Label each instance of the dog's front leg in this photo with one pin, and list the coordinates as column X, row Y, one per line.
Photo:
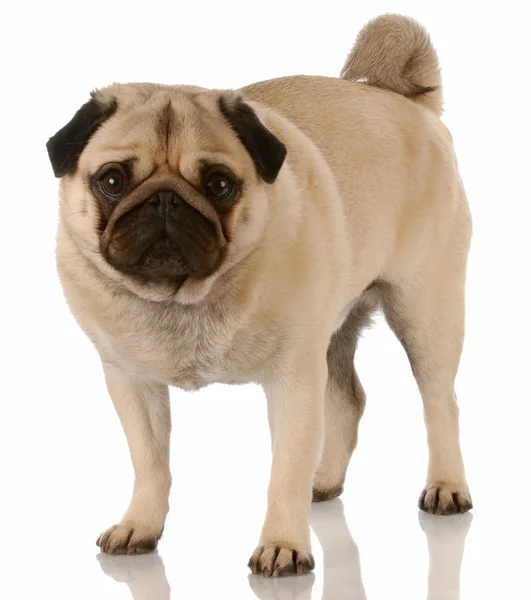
column 295, row 395
column 144, row 412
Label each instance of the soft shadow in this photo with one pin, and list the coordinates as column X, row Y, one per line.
column 144, row 575
column 341, row 568
column 446, row 538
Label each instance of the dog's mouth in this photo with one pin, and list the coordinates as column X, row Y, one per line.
column 163, row 259
column 163, row 237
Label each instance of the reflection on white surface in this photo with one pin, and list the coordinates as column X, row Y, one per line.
column 145, row 574
column 341, row 559
column 146, row 577
column 446, row 545
column 282, row 588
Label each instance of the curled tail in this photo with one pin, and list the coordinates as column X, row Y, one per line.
column 395, row 53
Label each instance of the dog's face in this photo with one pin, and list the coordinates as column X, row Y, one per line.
column 165, row 185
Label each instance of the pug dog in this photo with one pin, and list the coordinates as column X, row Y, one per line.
column 247, row 236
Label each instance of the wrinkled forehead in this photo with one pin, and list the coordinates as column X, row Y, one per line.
column 168, row 127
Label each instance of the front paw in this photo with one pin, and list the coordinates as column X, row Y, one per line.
column 128, row 538
column 276, row 560
column 444, row 498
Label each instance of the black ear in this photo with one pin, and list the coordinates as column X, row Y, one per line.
column 266, row 150
column 65, row 147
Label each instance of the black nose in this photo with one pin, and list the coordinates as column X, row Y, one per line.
column 164, row 201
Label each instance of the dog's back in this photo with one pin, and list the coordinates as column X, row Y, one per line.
column 378, row 128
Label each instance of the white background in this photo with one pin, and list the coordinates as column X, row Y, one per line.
column 64, row 462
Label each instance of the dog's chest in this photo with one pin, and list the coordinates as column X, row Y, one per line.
column 188, row 348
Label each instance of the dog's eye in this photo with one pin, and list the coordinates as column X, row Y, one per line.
column 113, row 182
column 218, row 186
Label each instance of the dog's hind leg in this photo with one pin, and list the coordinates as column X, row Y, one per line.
column 426, row 311
column 344, row 405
